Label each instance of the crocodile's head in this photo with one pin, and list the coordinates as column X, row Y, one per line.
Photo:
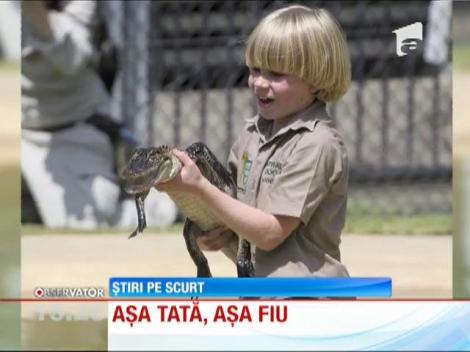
column 149, row 166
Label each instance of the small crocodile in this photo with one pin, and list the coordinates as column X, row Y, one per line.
column 150, row 166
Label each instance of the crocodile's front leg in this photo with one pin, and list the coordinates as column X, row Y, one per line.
column 244, row 264
column 195, row 252
column 140, row 205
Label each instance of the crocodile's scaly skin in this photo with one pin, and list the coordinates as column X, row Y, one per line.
column 150, row 166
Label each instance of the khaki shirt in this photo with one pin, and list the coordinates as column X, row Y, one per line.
column 300, row 171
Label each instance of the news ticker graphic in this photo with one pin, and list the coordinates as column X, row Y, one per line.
column 134, row 287
column 288, row 325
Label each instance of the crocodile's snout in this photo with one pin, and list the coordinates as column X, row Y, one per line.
column 149, row 166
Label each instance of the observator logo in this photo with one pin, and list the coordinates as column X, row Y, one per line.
column 69, row 292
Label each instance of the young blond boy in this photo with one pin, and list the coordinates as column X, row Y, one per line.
column 290, row 165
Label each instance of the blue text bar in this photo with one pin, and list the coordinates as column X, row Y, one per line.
column 148, row 287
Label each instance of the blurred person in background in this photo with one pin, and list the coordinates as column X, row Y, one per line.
column 68, row 135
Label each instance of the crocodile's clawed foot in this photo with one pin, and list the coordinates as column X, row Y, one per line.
column 245, row 268
column 134, row 233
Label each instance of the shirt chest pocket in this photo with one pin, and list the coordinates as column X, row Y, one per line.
column 271, row 170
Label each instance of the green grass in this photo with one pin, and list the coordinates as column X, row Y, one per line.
column 367, row 220
column 461, row 57
column 435, row 224
column 356, row 222
column 9, row 66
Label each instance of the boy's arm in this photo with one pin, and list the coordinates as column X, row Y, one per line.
column 262, row 229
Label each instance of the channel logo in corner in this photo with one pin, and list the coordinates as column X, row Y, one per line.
column 408, row 38
column 69, row 292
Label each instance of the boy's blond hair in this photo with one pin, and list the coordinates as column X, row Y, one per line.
column 305, row 42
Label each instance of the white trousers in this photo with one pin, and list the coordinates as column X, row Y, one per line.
column 70, row 176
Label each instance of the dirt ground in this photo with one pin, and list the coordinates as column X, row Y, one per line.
column 420, row 266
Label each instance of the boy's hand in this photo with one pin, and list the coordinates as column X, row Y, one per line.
column 215, row 239
column 189, row 179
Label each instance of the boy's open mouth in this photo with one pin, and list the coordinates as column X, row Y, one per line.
column 265, row 101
